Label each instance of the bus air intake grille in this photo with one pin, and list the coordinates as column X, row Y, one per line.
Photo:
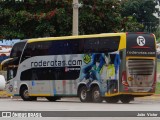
column 140, row 67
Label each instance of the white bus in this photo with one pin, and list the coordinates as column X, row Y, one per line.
column 111, row 67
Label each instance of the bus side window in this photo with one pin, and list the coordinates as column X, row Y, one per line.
column 56, row 48
column 103, row 45
column 91, row 45
column 34, row 75
column 81, row 46
column 72, row 47
column 88, row 46
column 26, row 75
column 58, row 74
column 109, row 44
column 41, row 49
column 65, row 47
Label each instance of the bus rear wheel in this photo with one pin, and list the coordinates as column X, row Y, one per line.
column 25, row 95
column 52, row 98
column 84, row 95
column 96, row 96
column 114, row 99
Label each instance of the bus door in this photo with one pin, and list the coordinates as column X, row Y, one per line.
column 11, row 85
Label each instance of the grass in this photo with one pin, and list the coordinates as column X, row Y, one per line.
column 158, row 39
column 158, row 67
column 158, row 83
column 158, row 88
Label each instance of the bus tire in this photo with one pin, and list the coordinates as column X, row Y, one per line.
column 84, row 95
column 114, row 99
column 52, row 98
column 25, row 94
column 33, row 98
column 96, row 95
column 126, row 99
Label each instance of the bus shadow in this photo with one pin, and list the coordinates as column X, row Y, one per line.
column 77, row 101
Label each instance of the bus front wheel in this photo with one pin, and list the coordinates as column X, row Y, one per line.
column 25, row 95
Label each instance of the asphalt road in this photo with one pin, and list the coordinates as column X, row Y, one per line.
column 151, row 103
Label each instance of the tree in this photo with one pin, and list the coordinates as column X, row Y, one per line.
column 99, row 16
column 44, row 18
column 157, row 34
column 142, row 11
column 130, row 24
column 35, row 18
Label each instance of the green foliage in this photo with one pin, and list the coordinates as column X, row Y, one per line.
column 158, row 88
column 158, row 78
column 158, row 39
column 131, row 25
column 142, row 11
column 157, row 34
column 158, row 67
column 100, row 16
column 35, row 18
column 41, row 18
column 63, row 22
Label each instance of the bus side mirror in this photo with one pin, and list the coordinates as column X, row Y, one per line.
column 2, row 82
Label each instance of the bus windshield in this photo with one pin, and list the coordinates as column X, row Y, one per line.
column 17, row 49
column 11, row 64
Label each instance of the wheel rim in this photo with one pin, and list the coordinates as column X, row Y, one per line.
column 96, row 94
column 26, row 94
column 83, row 94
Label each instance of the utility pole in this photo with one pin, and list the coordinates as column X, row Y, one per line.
column 75, row 17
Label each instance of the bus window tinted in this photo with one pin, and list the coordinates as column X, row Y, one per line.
column 108, row 44
column 97, row 45
column 66, row 47
column 17, row 49
column 51, row 73
column 91, row 45
column 60, row 47
column 78, row 46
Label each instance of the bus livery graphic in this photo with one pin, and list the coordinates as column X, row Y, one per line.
column 110, row 67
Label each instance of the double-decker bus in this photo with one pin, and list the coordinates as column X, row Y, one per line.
column 110, row 67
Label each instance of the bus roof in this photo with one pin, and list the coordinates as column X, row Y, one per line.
column 74, row 37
